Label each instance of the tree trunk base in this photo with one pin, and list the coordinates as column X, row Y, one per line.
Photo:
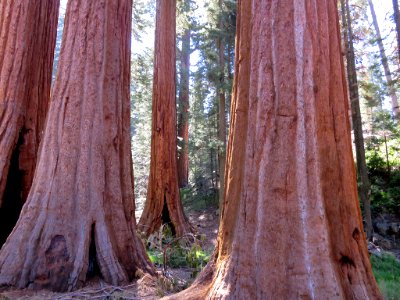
column 52, row 256
column 166, row 212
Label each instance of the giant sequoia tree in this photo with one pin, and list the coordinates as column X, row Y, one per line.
column 27, row 39
column 82, row 193
column 291, row 225
column 163, row 204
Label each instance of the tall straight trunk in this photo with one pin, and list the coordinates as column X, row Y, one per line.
column 385, row 64
column 82, row 194
column 221, row 109
column 291, row 225
column 163, row 204
column 396, row 15
column 27, row 40
column 365, row 186
column 183, row 122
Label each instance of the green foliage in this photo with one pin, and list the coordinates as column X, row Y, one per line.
column 199, row 201
column 143, row 17
column 383, row 162
column 385, row 186
column 165, row 250
column 141, row 93
column 387, row 273
column 156, row 257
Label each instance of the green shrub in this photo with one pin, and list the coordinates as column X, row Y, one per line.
column 165, row 250
column 385, row 187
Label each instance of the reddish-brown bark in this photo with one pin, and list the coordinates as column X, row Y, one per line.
column 291, row 224
column 163, row 204
column 82, row 194
column 27, row 39
column 183, row 120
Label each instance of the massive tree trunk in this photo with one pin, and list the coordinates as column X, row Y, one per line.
column 365, row 186
column 396, row 15
column 385, row 63
column 221, row 107
column 82, row 194
column 27, row 39
column 291, row 225
column 163, row 204
column 183, row 122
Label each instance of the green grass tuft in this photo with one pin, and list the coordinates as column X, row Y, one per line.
column 387, row 273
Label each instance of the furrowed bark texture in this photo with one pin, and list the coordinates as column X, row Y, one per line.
column 27, row 39
column 183, row 122
column 82, row 193
column 291, row 225
column 163, row 204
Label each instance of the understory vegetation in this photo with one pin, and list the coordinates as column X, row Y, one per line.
column 386, row 269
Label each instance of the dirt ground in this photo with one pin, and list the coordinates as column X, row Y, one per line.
column 206, row 223
column 147, row 288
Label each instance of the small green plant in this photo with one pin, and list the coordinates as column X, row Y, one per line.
column 165, row 250
column 156, row 257
column 387, row 273
column 197, row 258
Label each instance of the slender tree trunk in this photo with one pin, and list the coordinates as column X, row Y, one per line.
column 27, row 39
column 163, row 204
column 221, row 109
column 292, row 227
column 183, row 122
column 365, row 186
column 387, row 155
column 82, row 194
column 385, row 64
column 396, row 15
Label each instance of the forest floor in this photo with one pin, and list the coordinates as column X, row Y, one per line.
column 206, row 224
column 171, row 280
